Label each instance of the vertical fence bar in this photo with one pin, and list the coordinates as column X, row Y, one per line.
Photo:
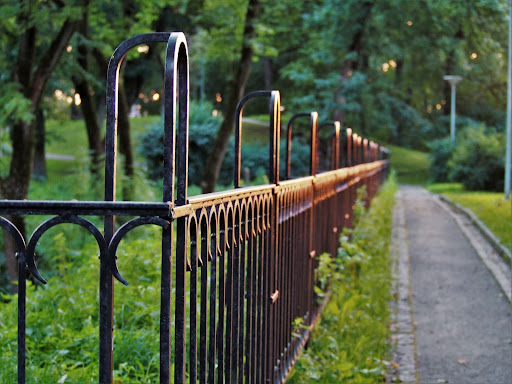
column 222, row 295
column 203, row 262
column 212, row 358
column 193, row 243
column 22, row 305
column 242, row 295
column 177, row 88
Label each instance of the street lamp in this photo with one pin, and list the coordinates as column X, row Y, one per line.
column 453, row 80
column 508, row 154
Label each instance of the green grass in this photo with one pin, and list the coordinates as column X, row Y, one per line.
column 411, row 166
column 351, row 344
column 489, row 207
column 70, row 137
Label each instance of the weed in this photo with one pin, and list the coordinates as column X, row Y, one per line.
column 351, row 343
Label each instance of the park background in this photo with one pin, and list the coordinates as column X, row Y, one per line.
column 376, row 66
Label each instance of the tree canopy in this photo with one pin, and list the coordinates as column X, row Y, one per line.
column 375, row 65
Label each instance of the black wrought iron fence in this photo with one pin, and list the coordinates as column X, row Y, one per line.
column 244, row 259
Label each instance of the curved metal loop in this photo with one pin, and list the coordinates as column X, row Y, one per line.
column 274, row 131
column 14, row 232
column 121, row 232
column 50, row 223
column 336, row 145
column 176, row 89
column 289, row 130
column 113, row 70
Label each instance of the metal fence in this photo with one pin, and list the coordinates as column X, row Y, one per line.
column 244, row 259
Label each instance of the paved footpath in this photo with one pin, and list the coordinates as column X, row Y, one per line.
column 453, row 319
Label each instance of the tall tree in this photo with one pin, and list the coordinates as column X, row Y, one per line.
column 235, row 91
column 39, row 46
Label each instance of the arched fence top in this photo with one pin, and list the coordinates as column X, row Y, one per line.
column 274, row 133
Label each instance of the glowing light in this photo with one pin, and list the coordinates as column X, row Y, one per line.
column 473, row 55
column 443, row 102
column 385, row 67
column 143, row 49
column 69, row 48
column 392, row 63
column 78, row 100
column 215, row 113
column 409, row 23
column 500, row 55
column 349, row 73
column 59, row 94
column 218, row 97
column 141, row 96
column 438, row 107
column 156, row 96
column 69, row 99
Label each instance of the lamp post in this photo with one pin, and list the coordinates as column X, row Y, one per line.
column 508, row 154
column 453, row 80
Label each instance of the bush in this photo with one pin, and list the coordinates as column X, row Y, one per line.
column 478, row 160
column 440, row 153
column 203, row 129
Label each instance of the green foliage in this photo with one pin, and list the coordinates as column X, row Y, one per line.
column 378, row 66
column 351, row 343
column 440, row 152
column 62, row 316
column 477, row 161
column 202, row 131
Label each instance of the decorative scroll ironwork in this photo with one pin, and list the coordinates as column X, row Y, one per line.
column 249, row 253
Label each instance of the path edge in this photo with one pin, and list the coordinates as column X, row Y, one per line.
column 404, row 351
column 482, row 228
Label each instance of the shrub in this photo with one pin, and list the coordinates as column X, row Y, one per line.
column 203, row 129
column 478, row 160
column 440, row 153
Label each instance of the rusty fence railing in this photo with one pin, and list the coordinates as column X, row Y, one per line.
column 244, row 259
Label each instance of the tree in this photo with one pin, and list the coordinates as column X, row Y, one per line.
column 235, row 91
column 38, row 48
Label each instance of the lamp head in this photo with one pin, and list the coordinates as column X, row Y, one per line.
column 452, row 79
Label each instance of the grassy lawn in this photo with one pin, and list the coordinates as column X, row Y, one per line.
column 489, row 207
column 411, row 166
column 70, row 137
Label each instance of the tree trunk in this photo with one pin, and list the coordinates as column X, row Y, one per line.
column 39, row 167
column 125, row 146
column 15, row 186
column 269, row 74
column 351, row 65
column 88, row 104
column 123, row 131
column 236, row 91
